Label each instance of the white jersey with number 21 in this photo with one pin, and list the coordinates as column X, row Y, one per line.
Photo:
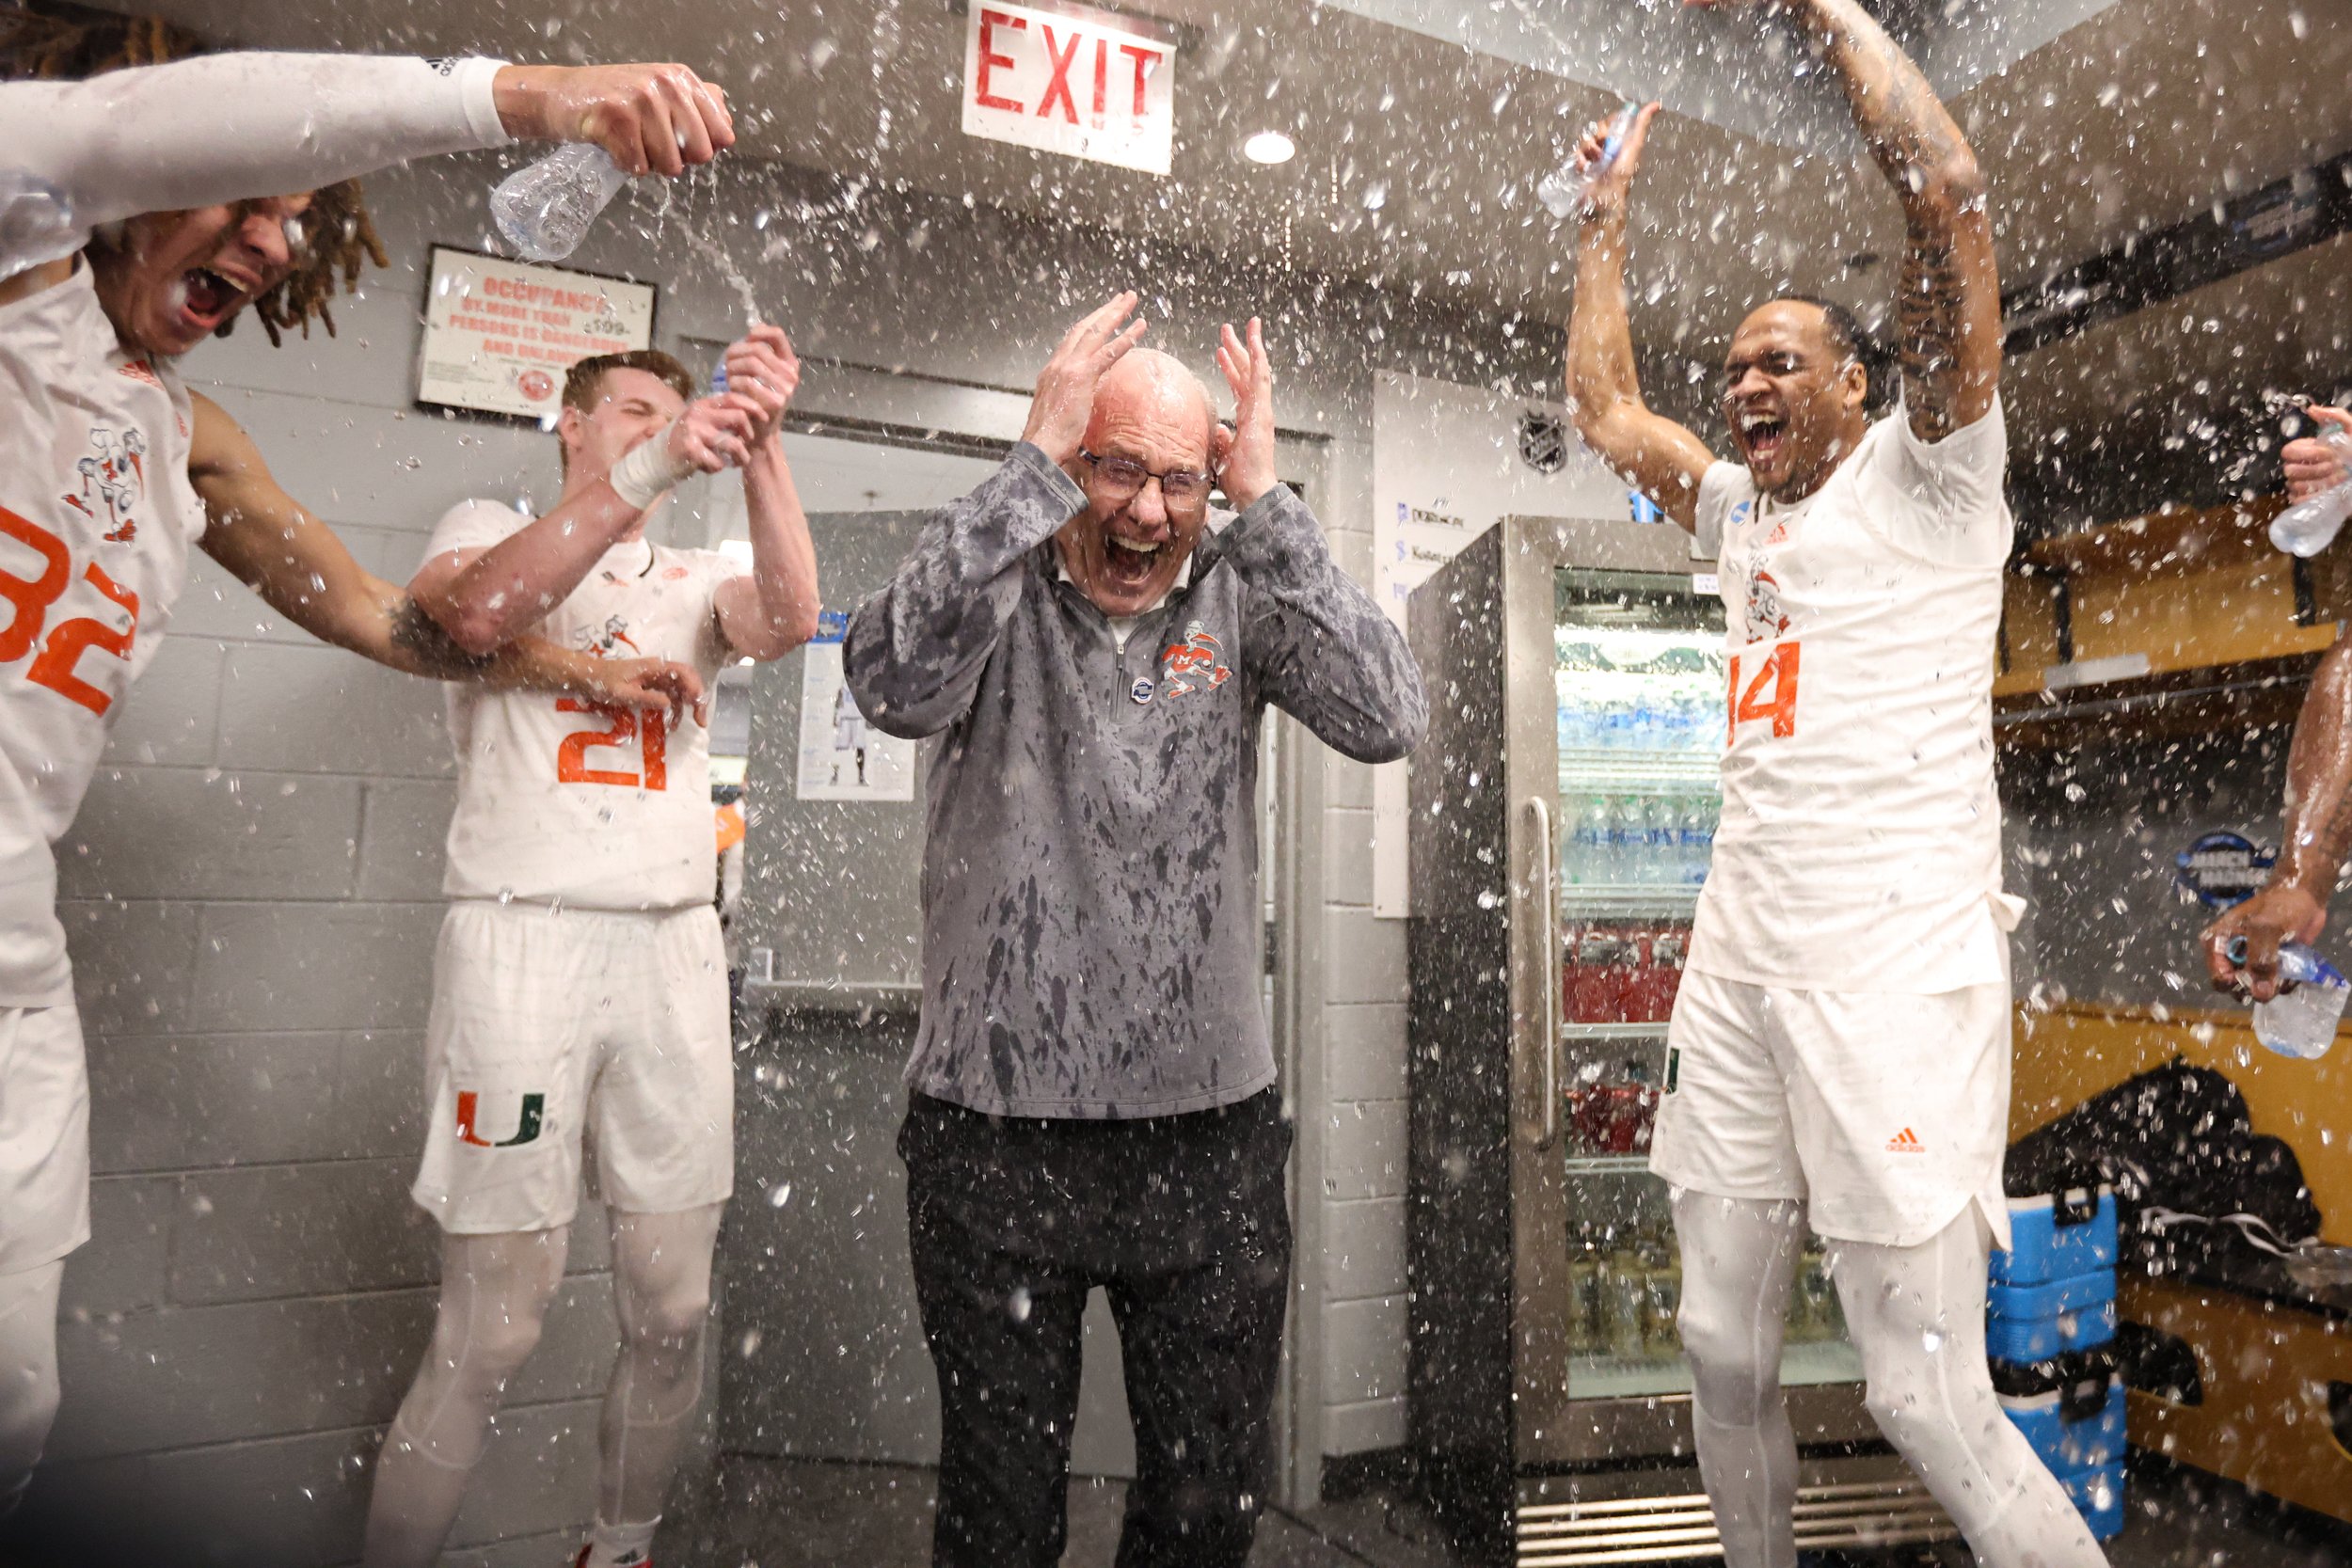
column 560, row 798
column 1860, row 848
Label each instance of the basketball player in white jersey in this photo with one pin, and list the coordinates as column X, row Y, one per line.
column 581, row 980
column 111, row 469
column 1842, row 1038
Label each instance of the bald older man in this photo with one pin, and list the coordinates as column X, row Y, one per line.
column 1092, row 1096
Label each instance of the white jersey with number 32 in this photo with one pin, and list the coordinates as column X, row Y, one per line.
column 96, row 518
column 561, row 798
column 1860, row 848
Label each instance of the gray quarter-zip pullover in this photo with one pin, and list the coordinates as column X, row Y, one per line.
column 1092, row 944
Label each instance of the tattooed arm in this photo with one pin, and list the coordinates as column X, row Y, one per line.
column 2293, row 905
column 1950, row 302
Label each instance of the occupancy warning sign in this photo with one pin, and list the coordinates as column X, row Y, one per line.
column 1071, row 81
column 499, row 335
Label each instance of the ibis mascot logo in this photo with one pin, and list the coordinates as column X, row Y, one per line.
column 1196, row 664
column 528, row 1123
column 114, row 482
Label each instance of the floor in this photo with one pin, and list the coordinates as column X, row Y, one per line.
column 787, row 1513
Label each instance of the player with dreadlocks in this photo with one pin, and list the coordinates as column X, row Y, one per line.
column 140, row 211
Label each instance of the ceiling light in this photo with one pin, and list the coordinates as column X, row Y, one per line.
column 1269, row 147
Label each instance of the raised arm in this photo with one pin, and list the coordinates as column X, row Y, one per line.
column 773, row 610
column 916, row 651
column 1656, row 456
column 1316, row 641
column 484, row 598
column 298, row 566
column 2293, row 905
column 228, row 127
column 1949, row 304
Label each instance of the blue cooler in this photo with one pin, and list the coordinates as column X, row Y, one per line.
column 2070, row 1408
column 2057, row 1235
column 2098, row 1493
column 2034, row 1323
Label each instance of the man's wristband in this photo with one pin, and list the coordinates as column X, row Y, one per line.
column 646, row 472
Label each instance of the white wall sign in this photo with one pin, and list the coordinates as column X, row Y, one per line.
column 1448, row 462
column 842, row 756
column 1070, row 82
column 499, row 335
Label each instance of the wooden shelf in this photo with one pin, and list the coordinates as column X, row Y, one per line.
column 2180, row 609
column 2176, row 539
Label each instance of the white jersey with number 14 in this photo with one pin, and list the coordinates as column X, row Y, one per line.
column 563, row 800
column 1860, row 848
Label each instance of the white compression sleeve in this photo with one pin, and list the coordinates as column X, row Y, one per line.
column 226, row 127
column 662, row 1287
column 1738, row 1256
column 495, row 1291
column 28, row 1373
column 1917, row 1314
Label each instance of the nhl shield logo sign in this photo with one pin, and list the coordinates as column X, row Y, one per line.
column 1543, row 441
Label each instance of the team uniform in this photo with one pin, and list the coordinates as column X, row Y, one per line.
column 96, row 515
column 1842, row 1029
column 579, row 983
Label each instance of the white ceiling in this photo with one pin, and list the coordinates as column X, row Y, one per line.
column 1417, row 155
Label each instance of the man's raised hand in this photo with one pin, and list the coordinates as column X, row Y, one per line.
column 2312, row 463
column 1607, row 196
column 714, row 432
column 652, row 118
column 1244, row 451
column 1064, row 399
column 763, row 373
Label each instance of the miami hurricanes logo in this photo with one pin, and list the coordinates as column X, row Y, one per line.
column 114, row 482
column 1196, row 664
column 526, row 1127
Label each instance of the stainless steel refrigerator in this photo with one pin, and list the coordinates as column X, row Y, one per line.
column 1563, row 808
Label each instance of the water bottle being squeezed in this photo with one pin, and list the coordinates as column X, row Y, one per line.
column 2300, row 1023
column 1566, row 191
column 2310, row 525
column 544, row 209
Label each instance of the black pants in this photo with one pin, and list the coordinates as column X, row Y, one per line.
column 1182, row 1221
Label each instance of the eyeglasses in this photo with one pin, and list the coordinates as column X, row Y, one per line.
column 1124, row 478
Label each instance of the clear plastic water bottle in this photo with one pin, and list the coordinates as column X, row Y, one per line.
column 2310, row 525
column 1566, row 191
column 1659, row 868
column 1584, row 848
column 544, row 209
column 2299, row 1023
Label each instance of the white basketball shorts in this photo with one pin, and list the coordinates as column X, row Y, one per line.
column 547, row 1027
column 1888, row 1111
column 44, row 1136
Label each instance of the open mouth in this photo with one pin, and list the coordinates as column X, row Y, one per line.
column 1129, row 562
column 207, row 298
column 1762, row 436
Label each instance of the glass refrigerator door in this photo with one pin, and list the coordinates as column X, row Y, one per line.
column 1639, row 679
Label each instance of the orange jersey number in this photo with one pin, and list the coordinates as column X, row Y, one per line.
column 29, row 601
column 1770, row 692
column 649, row 729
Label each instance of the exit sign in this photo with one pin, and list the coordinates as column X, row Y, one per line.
column 1074, row 83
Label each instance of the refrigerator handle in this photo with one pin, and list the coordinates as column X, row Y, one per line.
column 1547, row 932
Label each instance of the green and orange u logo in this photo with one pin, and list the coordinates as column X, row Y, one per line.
column 526, row 1130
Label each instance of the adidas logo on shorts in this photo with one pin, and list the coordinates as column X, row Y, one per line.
column 1905, row 1142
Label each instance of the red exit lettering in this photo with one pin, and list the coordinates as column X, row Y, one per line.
column 990, row 21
